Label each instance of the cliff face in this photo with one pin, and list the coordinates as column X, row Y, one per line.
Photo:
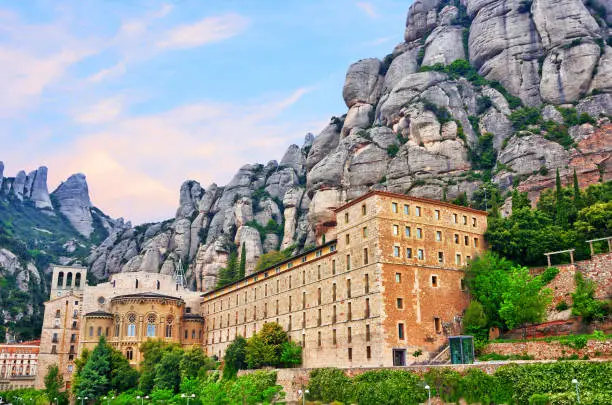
column 414, row 125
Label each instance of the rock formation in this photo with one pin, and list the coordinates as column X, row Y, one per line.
column 73, row 200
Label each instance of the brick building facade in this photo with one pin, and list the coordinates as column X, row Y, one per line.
column 18, row 365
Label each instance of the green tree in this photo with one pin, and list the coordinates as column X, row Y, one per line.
column 524, row 301
column 94, row 379
column 487, row 278
column 54, row 384
column 595, row 221
column 271, row 258
column 291, row 354
column 229, row 273
column 577, row 194
column 475, row 321
column 152, row 351
column 260, row 354
column 123, row 377
column 167, row 375
column 235, row 358
column 461, row 200
column 585, row 304
column 561, row 209
column 520, row 200
column 194, row 361
column 242, row 266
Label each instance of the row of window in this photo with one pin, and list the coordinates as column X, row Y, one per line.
column 420, row 255
column 455, row 218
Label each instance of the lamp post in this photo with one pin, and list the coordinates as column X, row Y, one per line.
column 428, row 394
column 82, row 399
column 575, row 382
column 303, row 394
column 188, row 397
column 142, row 399
column 108, row 400
column 56, row 401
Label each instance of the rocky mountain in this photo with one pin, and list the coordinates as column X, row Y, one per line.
column 482, row 94
column 36, row 229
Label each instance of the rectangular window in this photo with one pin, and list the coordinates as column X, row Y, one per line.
column 368, row 352
column 458, row 258
column 408, row 253
column 365, row 232
column 421, row 254
column 474, row 221
column 349, row 312
column 319, row 339
column 464, row 220
column 399, row 357
column 346, row 217
column 367, row 333
column 363, row 209
column 400, row 331
column 347, row 238
column 318, row 253
column 303, row 320
column 434, row 281
column 334, row 292
column 276, row 310
column 319, row 318
column 400, row 303
column 440, row 257
column 350, row 354
column 304, row 259
column 396, row 251
column 349, row 335
column 365, row 256
column 348, row 288
column 395, row 230
column 319, row 296
column 437, row 214
column 333, row 267
column 366, row 282
column 334, row 337
column 394, row 207
column 456, row 238
column 303, row 277
column 475, row 242
column 348, row 262
column 289, row 324
column 466, row 240
column 437, row 325
column 304, row 300
column 289, row 265
column 289, row 303
column 462, row 284
column 417, row 211
column 419, row 233
column 406, row 209
column 334, row 314
column 407, row 231
column 319, row 272
column 398, row 277
column 438, row 236
column 303, row 340
column 367, row 308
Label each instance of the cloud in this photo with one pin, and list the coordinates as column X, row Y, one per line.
column 378, row 41
column 367, row 8
column 101, row 112
column 208, row 30
column 136, row 164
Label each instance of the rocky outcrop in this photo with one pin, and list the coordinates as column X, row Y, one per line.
column 363, row 82
column 73, row 200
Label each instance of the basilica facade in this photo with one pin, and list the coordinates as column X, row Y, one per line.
column 385, row 282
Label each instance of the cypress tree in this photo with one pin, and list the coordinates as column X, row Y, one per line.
column 561, row 214
column 577, row 197
column 242, row 268
column 228, row 273
column 95, row 378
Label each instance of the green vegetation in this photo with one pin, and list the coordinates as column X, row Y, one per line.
column 511, row 384
column 274, row 257
column 54, row 385
column 392, row 150
column 235, row 269
column 585, row 304
column 523, row 117
column 441, row 113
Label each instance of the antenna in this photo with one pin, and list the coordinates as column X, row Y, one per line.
column 179, row 274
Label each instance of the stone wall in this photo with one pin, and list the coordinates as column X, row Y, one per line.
column 542, row 350
column 571, row 326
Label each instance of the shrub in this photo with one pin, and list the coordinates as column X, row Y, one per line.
column 585, row 304
column 392, row 150
column 562, row 306
column 523, row 117
column 525, row 6
column 575, row 341
column 483, row 104
column 441, row 113
column 549, row 275
column 330, row 384
column 539, row 399
column 388, row 387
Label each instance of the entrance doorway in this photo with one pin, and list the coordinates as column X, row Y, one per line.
column 399, row 357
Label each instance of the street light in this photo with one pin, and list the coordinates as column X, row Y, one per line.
column 428, row 394
column 188, row 397
column 142, row 399
column 575, row 382
column 82, row 399
column 300, row 392
column 108, row 400
column 56, row 401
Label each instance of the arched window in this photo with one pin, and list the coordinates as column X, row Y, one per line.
column 69, row 280
column 77, row 280
column 136, row 283
column 117, row 325
column 129, row 353
column 169, row 325
column 131, row 328
column 91, row 331
column 158, row 284
column 193, row 334
column 107, row 330
column 60, row 279
column 99, row 330
column 151, row 325
column 58, row 313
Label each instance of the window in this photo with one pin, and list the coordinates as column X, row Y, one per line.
column 348, row 262
column 462, row 284
column 319, row 317
column 367, row 333
column 437, row 214
column 169, row 325
column 131, row 328
column 367, row 308
column 289, row 304
column 346, row 217
column 348, row 288
column 319, row 272
column 334, row 313
column 151, row 325
column 466, row 240
column 333, row 269
column 456, row 238
column 464, row 220
column 363, row 210
column 395, row 230
column 303, row 320
column 400, row 331
column 304, row 300
column 303, row 340
column 406, row 209
column 417, row 211
column 366, row 283
column 400, row 303
column 421, row 254
column 475, row 242
column 365, row 256
column 304, row 259
column 437, row 325
column 368, row 352
column 303, row 277
column 458, row 258
column 474, row 222
column 289, row 282
column 349, row 335
column 187, row 334
column 349, row 312
column 394, row 207
column 333, row 293
column 434, row 281
column 319, row 296
column 438, row 236
column 347, row 237
column 289, row 324
column 129, row 353
column 440, row 257
column 398, row 277
column 334, row 338
column 319, row 339
column 454, row 218
column 350, row 353
column 364, row 232
column 407, row 231
column 408, row 253
column 399, row 357
column 54, row 339
column 91, row 331
column 396, row 251
column 419, row 233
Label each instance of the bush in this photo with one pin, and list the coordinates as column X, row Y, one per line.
column 441, row 113
column 483, row 104
column 562, row 306
column 523, row 117
column 392, row 150
column 585, row 304
column 549, row 275
column 388, row 387
column 330, row 384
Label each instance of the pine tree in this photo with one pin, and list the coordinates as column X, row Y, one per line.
column 561, row 211
column 54, row 383
column 519, row 200
column 94, row 380
column 577, row 197
column 242, row 267
column 228, row 274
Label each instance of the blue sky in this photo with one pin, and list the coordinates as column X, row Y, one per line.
column 141, row 95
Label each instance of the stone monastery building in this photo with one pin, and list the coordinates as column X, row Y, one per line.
column 389, row 283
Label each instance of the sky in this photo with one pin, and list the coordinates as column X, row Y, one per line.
column 142, row 95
